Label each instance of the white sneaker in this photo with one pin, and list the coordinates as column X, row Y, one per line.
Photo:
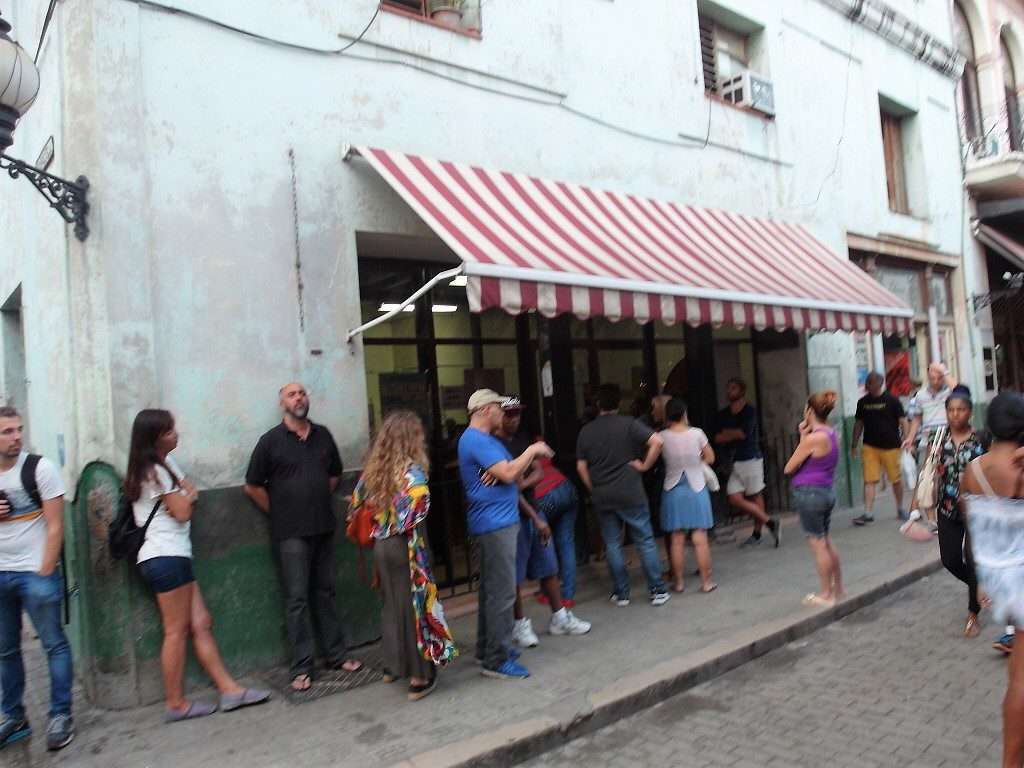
column 569, row 626
column 523, row 634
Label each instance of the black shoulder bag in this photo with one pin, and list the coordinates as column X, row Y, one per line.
column 124, row 537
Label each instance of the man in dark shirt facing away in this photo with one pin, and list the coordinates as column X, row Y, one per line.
column 737, row 430
column 292, row 473
column 608, row 452
column 880, row 418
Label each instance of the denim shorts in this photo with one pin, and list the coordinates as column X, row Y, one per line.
column 533, row 561
column 814, row 503
column 167, row 573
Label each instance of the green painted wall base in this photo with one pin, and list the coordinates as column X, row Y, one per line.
column 115, row 627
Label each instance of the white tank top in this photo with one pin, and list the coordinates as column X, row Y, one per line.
column 996, row 525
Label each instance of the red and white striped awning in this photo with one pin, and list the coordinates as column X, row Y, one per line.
column 530, row 243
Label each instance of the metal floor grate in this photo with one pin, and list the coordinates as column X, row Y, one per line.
column 327, row 682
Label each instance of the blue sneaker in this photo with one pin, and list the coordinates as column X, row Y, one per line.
column 12, row 729
column 513, row 654
column 510, row 670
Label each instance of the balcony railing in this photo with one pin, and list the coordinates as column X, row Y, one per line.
column 996, row 132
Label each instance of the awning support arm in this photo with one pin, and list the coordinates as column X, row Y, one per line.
column 440, row 277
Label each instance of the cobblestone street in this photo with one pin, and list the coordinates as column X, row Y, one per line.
column 891, row 685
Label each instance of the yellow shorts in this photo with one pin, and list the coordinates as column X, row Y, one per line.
column 876, row 458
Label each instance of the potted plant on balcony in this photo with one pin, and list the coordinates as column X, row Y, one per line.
column 447, row 11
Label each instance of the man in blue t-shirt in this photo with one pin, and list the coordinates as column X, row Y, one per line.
column 736, row 430
column 492, row 512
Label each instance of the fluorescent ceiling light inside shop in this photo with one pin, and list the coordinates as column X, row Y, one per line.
column 435, row 308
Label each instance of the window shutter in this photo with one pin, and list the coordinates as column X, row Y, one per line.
column 409, row 5
column 895, row 170
column 707, row 53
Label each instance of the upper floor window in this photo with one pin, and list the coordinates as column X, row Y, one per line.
column 967, row 90
column 1013, row 113
column 463, row 14
column 724, row 52
column 895, row 164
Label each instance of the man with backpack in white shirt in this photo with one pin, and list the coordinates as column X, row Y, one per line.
column 31, row 538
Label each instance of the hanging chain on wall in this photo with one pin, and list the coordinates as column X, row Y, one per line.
column 298, row 247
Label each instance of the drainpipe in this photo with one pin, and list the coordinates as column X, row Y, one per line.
column 933, row 335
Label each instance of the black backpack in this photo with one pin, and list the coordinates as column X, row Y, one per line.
column 124, row 537
column 28, row 482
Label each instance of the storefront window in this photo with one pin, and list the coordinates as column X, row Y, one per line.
column 672, row 369
column 450, row 311
column 626, row 328
column 495, row 324
column 664, row 332
column 903, row 283
column 381, row 287
column 625, row 367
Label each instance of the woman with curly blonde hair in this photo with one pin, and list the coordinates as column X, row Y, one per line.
column 393, row 488
column 813, row 470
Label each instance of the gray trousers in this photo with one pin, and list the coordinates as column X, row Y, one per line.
column 307, row 570
column 494, row 617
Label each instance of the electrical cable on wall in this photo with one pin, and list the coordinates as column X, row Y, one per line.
column 46, row 26
column 343, row 51
column 842, row 130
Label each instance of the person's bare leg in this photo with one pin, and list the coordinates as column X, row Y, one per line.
column 1013, row 713
column 517, row 606
column 897, row 490
column 745, row 505
column 550, row 587
column 837, row 574
column 677, row 557
column 703, row 554
column 176, row 612
column 869, row 498
column 823, row 562
column 668, row 575
column 206, row 646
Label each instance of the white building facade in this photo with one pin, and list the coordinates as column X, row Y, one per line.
column 232, row 247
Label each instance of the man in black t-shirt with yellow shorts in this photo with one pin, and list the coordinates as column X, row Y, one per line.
column 880, row 417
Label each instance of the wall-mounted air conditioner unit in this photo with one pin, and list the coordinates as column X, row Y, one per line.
column 751, row 90
column 986, row 146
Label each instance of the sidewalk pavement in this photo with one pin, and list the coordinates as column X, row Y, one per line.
column 633, row 657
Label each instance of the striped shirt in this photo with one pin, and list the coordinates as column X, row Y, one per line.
column 930, row 406
column 550, row 477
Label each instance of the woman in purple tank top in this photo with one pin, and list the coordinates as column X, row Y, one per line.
column 813, row 470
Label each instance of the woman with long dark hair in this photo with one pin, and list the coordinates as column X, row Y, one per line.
column 991, row 492
column 155, row 481
column 416, row 638
column 813, row 470
column 961, row 445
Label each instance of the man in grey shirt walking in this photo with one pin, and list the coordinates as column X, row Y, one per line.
column 607, row 453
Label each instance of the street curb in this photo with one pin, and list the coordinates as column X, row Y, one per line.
column 517, row 742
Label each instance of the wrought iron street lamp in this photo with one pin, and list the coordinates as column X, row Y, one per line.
column 19, row 84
